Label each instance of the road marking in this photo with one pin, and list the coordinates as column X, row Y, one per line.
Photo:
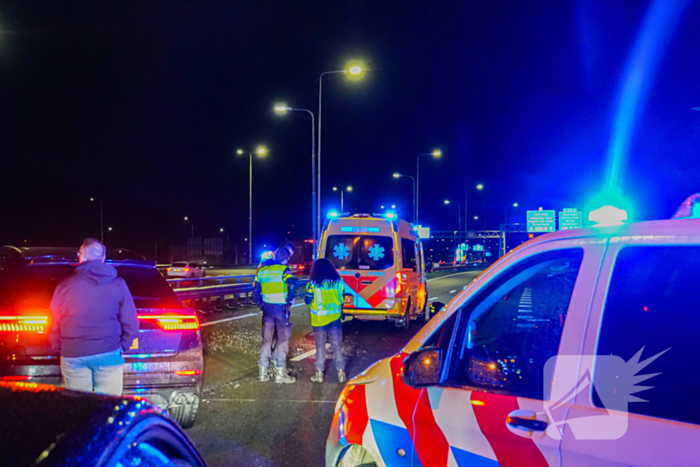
column 209, row 323
column 452, row 291
column 298, row 304
column 308, row 354
column 434, row 298
column 275, row 400
column 449, row 275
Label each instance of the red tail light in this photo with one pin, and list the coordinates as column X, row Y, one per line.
column 174, row 322
column 188, row 372
column 24, row 323
column 399, row 286
column 15, row 378
column 301, row 266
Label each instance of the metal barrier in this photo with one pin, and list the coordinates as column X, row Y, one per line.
column 219, row 295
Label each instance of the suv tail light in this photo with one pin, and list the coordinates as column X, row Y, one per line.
column 174, row 322
column 188, row 372
column 24, row 323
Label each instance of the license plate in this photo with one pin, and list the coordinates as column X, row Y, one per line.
column 135, row 344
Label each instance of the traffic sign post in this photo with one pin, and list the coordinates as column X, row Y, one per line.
column 541, row 221
column 570, row 218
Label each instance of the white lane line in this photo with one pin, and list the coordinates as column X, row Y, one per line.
column 210, row 323
column 452, row 291
column 434, row 298
column 449, row 275
column 298, row 304
column 308, row 354
column 276, row 400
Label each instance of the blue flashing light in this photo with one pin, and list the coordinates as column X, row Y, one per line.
column 333, row 213
column 390, row 215
column 690, row 208
column 608, row 215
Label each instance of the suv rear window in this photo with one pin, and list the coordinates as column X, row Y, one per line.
column 34, row 285
column 653, row 309
column 371, row 252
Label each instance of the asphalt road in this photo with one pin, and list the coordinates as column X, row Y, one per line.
column 245, row 422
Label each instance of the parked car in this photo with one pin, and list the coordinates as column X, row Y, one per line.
column 186, row 270
column 576, row 348
column 164, row 364
column 48, row 426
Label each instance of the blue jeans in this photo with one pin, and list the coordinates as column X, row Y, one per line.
column 274, row 317
column 334, row 331
column 103, row 373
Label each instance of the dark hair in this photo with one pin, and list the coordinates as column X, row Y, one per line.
column 281, row 255
column 323, row 271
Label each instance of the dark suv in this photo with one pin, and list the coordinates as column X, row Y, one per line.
column 164, row 364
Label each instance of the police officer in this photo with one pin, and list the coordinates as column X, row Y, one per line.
column 274, row 288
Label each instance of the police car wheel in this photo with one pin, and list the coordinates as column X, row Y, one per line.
column 356, row 456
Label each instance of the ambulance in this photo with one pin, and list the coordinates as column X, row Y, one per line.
column 380, row 259
column 578, row 348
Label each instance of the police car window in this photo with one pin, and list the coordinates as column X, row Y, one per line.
column 515, row 326
column 408, row 251
column 652, row 307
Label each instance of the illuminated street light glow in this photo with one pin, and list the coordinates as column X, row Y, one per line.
column 349, row 188
column 447, row 201
column 282, row 109
column 437, row 153
column 335, row 188
column 239, row 152
column 355, row 70
column 261, row 150
column 515, row 205
column 396, row 175
column 480, row 186
column 187, row 218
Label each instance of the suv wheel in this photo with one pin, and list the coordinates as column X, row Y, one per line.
column 356, row 456
column 184, row 408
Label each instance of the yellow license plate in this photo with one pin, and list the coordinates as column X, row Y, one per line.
column 135, row 344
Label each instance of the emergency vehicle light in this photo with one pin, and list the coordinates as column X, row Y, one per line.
column 390, row 215
column 608, row 215
column 333, row 213
column 174, row 322
column 690, row 209
column 23, row 323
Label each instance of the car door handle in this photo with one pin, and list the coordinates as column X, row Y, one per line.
column 525, row 421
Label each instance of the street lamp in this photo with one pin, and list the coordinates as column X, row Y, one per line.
column 342, row 191
column 478, row 187
column 282, row 109
column 447, row 202
column 260, row 151
column 436, row 154
column 102, row 228
column 415, row 212
column 354, row 70
column 505, row 213
column 186, row 219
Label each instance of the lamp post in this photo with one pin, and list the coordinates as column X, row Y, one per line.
column 447, row 202
column 478, row 187
column 436, row 154
column 505, row 213
column 354, row 70
column 260, row 151
column 102, row 228
column 187, row 219
column 342, row 191
column 283, row 109
column 413, row 180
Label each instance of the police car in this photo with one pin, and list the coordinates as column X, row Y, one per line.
column 577, row 348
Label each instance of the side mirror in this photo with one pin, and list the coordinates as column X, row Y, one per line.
column 435, row 308
column 423, row 368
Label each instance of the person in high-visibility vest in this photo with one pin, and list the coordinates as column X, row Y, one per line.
column 324, row 295
column 273, row 290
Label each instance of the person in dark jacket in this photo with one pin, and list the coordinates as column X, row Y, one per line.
column 94, row 321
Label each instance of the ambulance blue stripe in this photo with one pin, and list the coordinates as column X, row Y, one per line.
column 358, row 301
column 469, row 459
column 389, row 439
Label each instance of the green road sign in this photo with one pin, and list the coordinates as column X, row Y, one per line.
column 541, row 221
column 570, row 218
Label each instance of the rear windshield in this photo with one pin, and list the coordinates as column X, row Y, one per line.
column 369, row 252
column 34, row 285
column 179, row 265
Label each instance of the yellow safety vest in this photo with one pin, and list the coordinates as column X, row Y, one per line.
column 273, row 283
column 327, row 303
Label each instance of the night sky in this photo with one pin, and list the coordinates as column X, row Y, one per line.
column 143, row 105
